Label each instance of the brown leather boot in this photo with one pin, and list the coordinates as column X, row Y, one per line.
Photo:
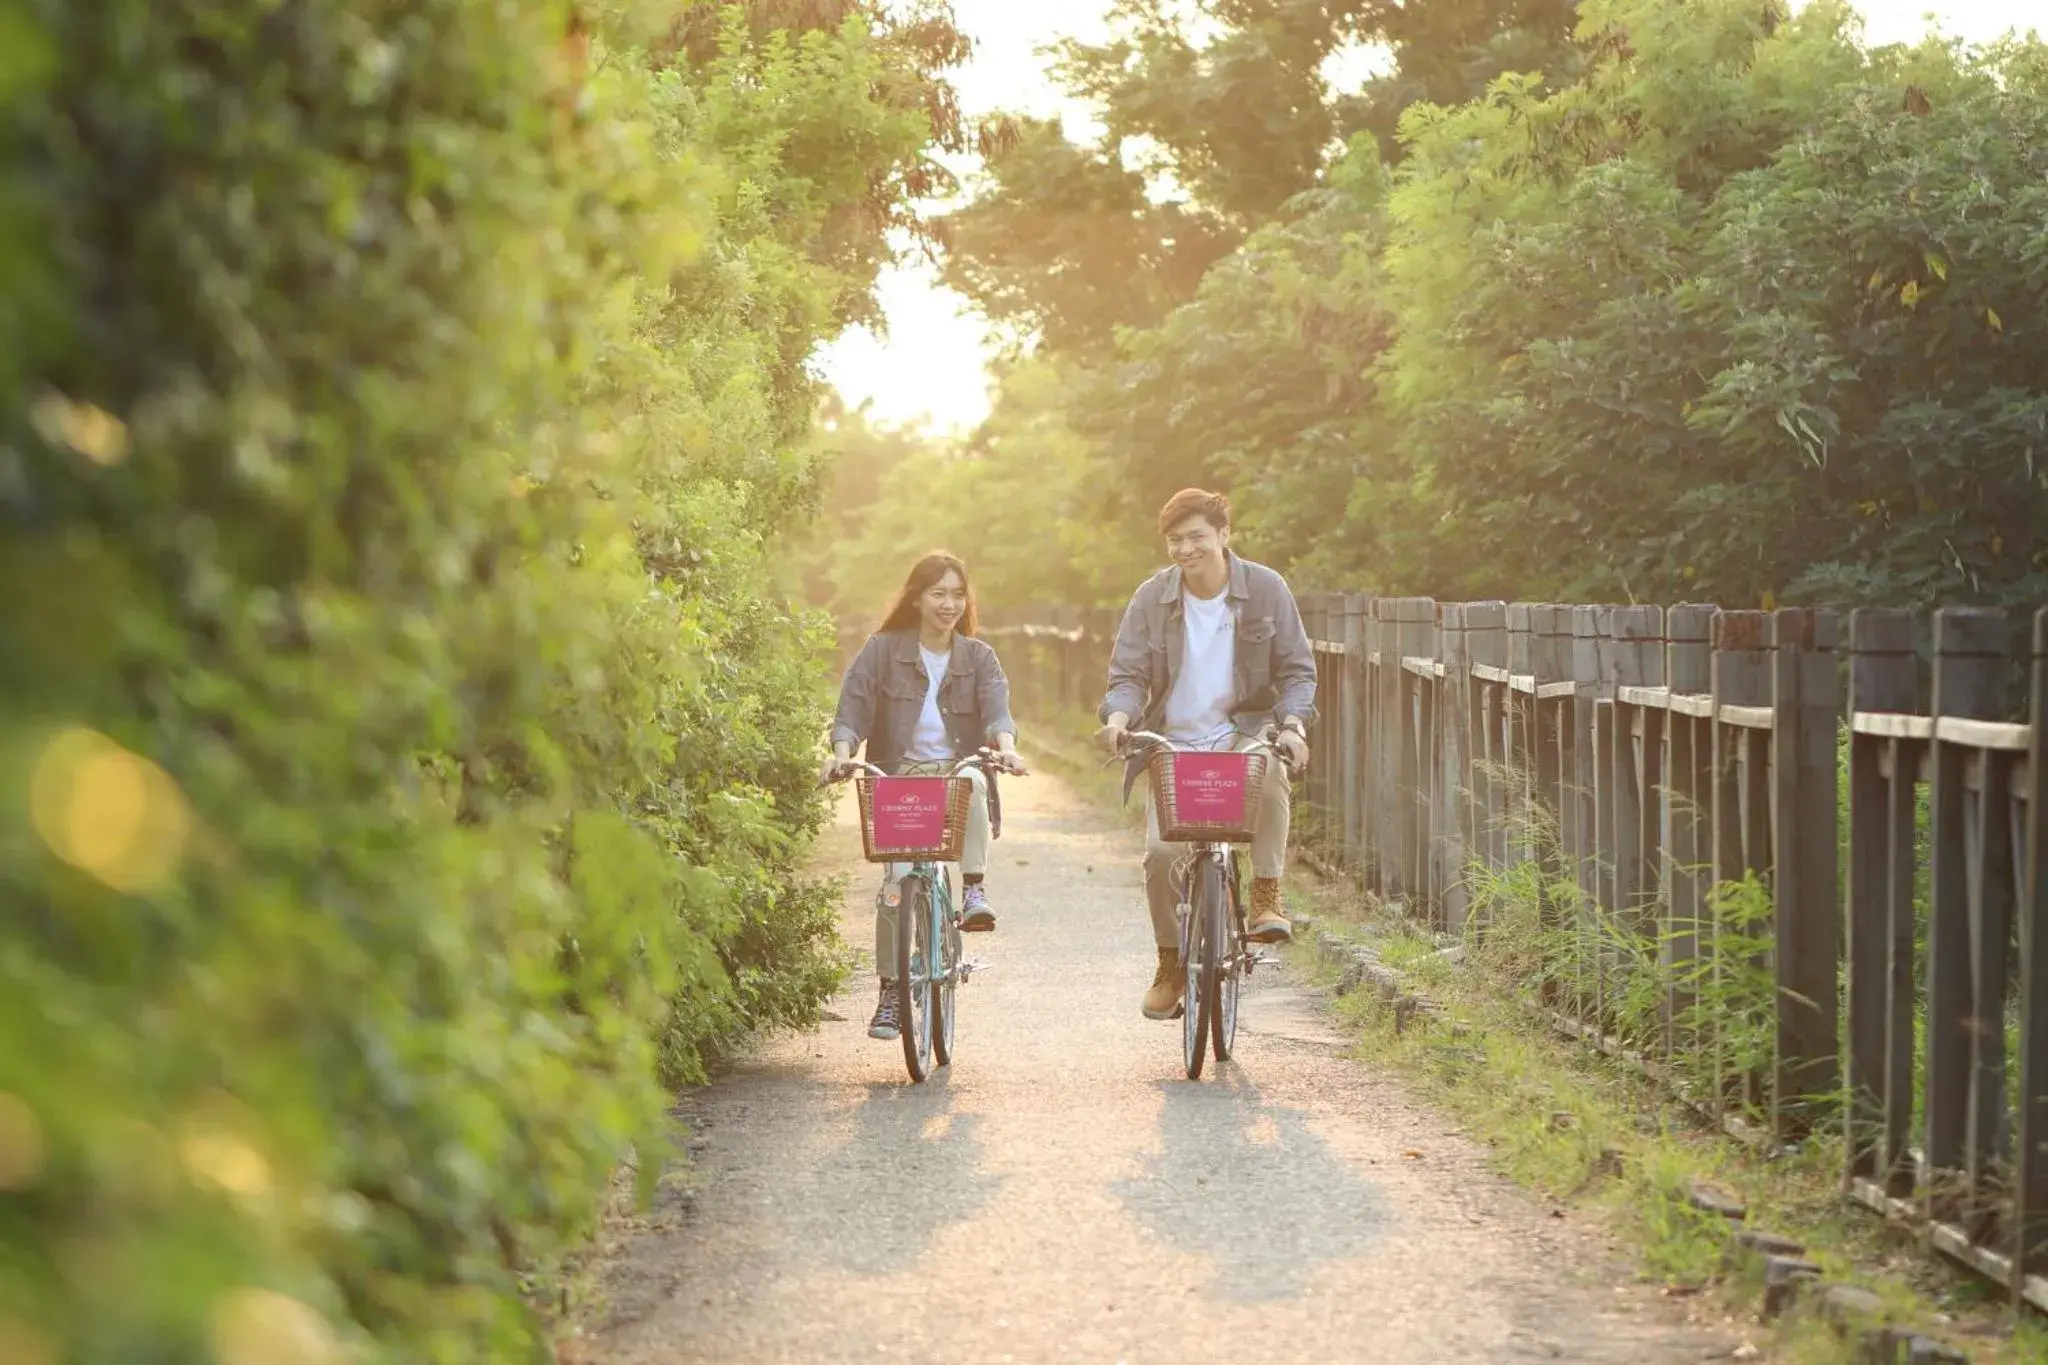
column 1267, row 925
column 1169, row 983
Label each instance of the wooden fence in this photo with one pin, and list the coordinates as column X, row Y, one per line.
column 1880, row 796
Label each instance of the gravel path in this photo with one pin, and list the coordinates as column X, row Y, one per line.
column 1065, row 1194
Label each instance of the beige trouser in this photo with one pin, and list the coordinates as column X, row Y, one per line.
column 973, row 858
column 1269, row 848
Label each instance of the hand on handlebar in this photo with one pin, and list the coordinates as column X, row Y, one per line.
column 1008, row 761
column 837, row 770
column 1111, row 736
column 1293, row 747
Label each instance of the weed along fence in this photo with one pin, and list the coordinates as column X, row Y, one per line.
column 1794, row 870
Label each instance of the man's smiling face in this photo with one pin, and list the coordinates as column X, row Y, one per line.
column 1197, row 547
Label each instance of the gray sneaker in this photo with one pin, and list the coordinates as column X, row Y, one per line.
column 884, row 1025
column 976, row 917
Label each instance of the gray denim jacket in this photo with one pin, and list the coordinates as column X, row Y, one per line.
column 1276, row 670
column 883, row 692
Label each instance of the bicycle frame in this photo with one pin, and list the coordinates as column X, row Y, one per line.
column 1210, row 1000
column 1230, row 855
column 931, row 872
column 942, row 965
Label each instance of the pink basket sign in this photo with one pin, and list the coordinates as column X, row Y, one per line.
column 910, row 813
column 1208, row 789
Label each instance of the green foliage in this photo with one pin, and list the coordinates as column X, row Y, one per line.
column 1729, row 313
column 405, row 746
column 1239, row 117
column 1448, row 51
column 1215, row 119
column 1248, row 386
column 1019, row 503
column 1065, row 243
column 1710, row 303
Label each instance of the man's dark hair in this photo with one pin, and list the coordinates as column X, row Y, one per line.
column 1213, row 508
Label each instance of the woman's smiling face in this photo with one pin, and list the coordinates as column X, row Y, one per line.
column 942, row 604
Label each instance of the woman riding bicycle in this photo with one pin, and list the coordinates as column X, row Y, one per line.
column 923, row 693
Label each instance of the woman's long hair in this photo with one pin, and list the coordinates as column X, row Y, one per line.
column 904, row 615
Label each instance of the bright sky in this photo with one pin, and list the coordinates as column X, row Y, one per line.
column 930, row 371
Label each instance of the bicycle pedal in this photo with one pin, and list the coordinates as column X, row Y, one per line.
column 968, row 969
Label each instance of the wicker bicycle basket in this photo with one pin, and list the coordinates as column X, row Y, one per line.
column 1222, row 819
column 904, row 834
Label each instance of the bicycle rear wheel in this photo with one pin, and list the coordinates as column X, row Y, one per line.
column 913, row 979
column 1198, row 1020
column 945, row 1007
column 1225, row 924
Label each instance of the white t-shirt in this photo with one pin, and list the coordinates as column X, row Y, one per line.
column 1198, row 708
column 928, row 742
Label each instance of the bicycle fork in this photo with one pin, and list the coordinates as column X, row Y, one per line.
column 890, row 900
column 1249, row 954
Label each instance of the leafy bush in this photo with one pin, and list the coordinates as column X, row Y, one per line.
column 404, row 743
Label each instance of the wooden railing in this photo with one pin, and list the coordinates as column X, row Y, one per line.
column 1646, row 773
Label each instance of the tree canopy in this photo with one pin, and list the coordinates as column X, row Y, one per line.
column 1715, row 302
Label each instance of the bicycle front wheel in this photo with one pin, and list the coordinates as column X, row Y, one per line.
column 945, row 999
column 913, row 978
column 1198, row 1018
column 1225, row 923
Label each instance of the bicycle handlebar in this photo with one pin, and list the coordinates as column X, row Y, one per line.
column 985, row 759
column 990, row 762
column 1149, row 740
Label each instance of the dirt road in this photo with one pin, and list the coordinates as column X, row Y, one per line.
column 1065, row 1194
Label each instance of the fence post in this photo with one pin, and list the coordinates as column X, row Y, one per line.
column 1628, row 818
column 1523, row 736
column 1378, row 782
column 1425, row 643
column 1486, row 643
column 1686, row 805
column 1309, row 794
column 1414, row 633
column 1550, row 662
column 1578, row 812
column 2031, row 1188
column 1454, row 843
column 1806, row 704
column 1970, row 657
column 1111, row 621
column 1379, row 758
column 1741, row 677
column 1067, row 620
column 1882, row 678
column 1353, row 726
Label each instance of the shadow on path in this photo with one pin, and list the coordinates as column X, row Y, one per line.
column 864, row 1193
column 1251, row 1187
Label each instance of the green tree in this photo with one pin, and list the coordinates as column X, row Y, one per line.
column 1063, row 244
column 1739, row 310
column 1726, row 315
column 1215, row 121
column 1446, row 52
column 1260, row 384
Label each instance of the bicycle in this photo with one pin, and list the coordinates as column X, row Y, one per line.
column 1209, row 799
column 923, row 821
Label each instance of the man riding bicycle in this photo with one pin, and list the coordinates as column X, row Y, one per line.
column 1212, row 653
